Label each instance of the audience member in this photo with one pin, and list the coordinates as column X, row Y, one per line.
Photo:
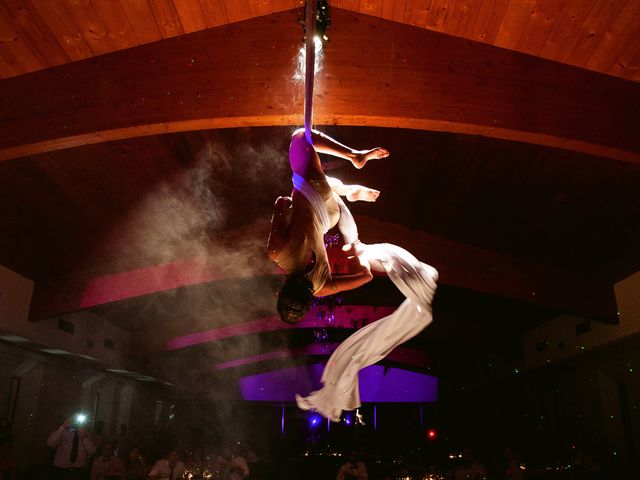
column 97, row 435
column 135, row 466
column 107, row 466
column 470, row 469
column 231, row 466
column 5, row 428
column 123, row 441
column 354, row 469
column 514, row 472
column 168, row 468
column 73, row 447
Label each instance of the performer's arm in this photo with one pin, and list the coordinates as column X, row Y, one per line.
column 279, row 222
column 361, row 274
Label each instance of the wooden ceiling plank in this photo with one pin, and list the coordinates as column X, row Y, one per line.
column 416, row 13
column 629, row 62
column 352, row 5
column 90, row 24
column 164, row 12
column 539, row 25
column 393, row 11
column 117, row 23
column 624, row 32
column 462, row 17
column 513, row 23
column 237, row 10
column 371, row 7
column 54, row 13
column 215, row 13
column 258, row 8
column 68, row 188
column 567, row 27
column 26, row 18
column 489, row 18
column 282, row 5
column 19, row 52
column 191, row 15
column 8, row 65
column 592, row 32
column 142, row 20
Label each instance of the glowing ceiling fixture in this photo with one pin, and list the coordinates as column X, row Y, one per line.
column 323, row 21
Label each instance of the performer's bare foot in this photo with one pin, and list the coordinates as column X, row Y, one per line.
column 364, row 194
column 361, row 157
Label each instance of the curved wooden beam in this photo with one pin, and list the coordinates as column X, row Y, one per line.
column 375, row 72
column 460, row 265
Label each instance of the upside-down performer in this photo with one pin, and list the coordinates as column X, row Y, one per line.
column 296, row 242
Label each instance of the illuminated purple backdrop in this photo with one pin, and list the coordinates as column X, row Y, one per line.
column 377, row 384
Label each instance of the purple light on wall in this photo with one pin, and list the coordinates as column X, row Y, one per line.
column 377, row 384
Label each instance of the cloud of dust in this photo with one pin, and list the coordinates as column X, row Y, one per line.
column 187, row 217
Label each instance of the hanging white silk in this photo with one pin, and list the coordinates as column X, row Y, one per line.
column 370, row 344
column 417, row 281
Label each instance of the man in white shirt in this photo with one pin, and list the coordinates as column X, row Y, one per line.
column 169, row 468
column 73, row 448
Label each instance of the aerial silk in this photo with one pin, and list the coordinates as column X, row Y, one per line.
column 416, row 280
column 370, row 344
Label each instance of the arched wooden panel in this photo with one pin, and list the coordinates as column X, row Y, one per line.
column 375, row 72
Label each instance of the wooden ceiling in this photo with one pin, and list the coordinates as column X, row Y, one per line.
column 516, row 177
column 598, row 35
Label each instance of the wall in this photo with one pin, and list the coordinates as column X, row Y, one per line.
column 562, row 339
column 89, row 330
column 52, row 387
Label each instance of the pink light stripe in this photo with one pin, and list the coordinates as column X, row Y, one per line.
column 352, row 316
column 255, row 326
column 406, row 356
column 152, row 279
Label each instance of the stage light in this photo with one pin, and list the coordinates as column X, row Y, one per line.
column 432, row 434
column 314, row 421
column 348, row 420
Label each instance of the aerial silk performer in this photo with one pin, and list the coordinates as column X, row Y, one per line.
column 296, row 244
column 299, row 222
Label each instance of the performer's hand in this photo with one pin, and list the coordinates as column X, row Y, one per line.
column 283, row 202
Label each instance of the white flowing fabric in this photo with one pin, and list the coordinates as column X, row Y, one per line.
column 417, row 281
